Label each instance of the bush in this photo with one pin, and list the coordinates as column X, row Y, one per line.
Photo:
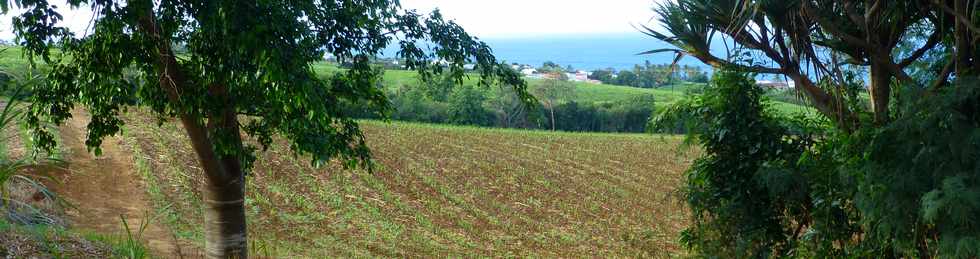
column 412, row 104
column 466, row 107
column 734, row 214
column 768, row 186
column 629, row 116
column 919, row 186
column 472, row 105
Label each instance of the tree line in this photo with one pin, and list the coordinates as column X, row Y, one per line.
column 444, row 102
column 650, row 75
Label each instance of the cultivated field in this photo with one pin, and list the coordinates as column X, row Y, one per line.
column 442, row 191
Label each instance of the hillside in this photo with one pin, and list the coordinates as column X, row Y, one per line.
column 442, row 191
column 584, row 92
column 11, row 60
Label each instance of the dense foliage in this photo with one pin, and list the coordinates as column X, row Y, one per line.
column 736, row 213
column 890, row 172
column 549, row 67
column 651, row 75
column 466, row 105
column 918, row 186
column 777, row 186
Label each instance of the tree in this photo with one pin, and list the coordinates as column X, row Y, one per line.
column 553, row 91
column 895, row 179
column 246, row 72
column 414, row 104
column 466, row 107
column 741, row 135
column 627, row 77
column 809, row 40
column 511, row 111
column 694, row 74
column 550, row 67
column 573, row 116
column 438, row 89
column 633, row 114
column 604, row 75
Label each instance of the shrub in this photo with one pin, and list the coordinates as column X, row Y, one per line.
column 777, row 187
column 466, row 107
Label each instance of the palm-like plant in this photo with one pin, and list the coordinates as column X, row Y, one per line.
column 802, row 39
column 10, row 117
column 860, row 198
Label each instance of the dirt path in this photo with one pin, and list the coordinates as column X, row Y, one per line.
column 105, row 187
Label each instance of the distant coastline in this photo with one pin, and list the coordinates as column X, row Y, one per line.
column 585, row 52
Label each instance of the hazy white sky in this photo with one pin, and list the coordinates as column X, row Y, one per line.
column 488, row 18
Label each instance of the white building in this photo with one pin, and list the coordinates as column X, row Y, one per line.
column 578, row 76
column 776, row 84
column 529, row 71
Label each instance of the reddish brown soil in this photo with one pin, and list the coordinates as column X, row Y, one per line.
column 105, row 188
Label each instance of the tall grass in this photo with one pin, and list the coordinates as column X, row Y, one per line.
column 131, row 246
column 11, row 114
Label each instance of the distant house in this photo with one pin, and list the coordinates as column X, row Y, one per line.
column 548, row 75
column 578, row 76
column 529, row 71
column 469, row 66
column 440, row 62
column 779, row 85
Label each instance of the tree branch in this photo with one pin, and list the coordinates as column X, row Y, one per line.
column 874, row 53
column 931, row 43
column 852, row 13
column 833, row 28
column 941, row 79
column 172, row 80
column 713, row 61
column 959, row 17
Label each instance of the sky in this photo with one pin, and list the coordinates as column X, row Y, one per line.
column 532, row 18
column 487, row 18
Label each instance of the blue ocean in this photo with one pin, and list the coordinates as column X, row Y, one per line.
column 585, row 52
column 582, row 52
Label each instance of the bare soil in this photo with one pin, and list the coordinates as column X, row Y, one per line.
column 105, row 188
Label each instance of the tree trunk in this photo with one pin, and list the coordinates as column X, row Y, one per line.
column 224, row 190
column 880, row 91
column 964, row 46
column 554, row 127
column 224, row 212
column 225, row 229
column 825, row 103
